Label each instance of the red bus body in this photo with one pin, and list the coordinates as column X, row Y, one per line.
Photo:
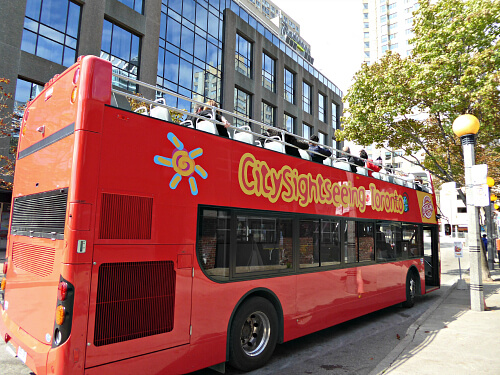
column 122, row 211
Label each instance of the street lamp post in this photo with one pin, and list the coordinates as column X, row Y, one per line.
column 466, row 127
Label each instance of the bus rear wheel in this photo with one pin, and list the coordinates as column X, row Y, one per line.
column 253, row 335
column 411, row 289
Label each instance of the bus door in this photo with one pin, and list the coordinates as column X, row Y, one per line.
column 431, row 257
column 140, row 301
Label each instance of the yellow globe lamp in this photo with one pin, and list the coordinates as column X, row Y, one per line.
column 490, row 181
column 493, row 197
column 496, row 206
column 465, row 124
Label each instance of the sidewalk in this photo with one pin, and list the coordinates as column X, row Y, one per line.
column 450, row 338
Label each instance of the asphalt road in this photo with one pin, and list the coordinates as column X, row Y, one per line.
column 354, row 347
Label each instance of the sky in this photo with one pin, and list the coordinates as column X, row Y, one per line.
column 334, row 29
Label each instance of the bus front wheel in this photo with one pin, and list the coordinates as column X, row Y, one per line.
column 411, row 289
column 254, row 333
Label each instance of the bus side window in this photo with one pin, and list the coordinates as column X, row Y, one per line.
column 213, row 243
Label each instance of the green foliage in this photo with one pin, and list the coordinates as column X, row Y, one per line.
column 8, row 127
column 411, row 103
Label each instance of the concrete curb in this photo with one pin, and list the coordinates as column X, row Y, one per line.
column 386, row 363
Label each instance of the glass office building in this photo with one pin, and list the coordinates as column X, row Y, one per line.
column 203, row 49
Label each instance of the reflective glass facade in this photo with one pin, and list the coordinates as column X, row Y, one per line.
column 190, row 50
column 268, row 114
column 242, row 105
column 51, row 30
column 268, row 72
column 243, row 58
column 321, row 107
column 289, row 86
column 306, row 98
column 121, row 47
column 289, row 122
column 306, row 131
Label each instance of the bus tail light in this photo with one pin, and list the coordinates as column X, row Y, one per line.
column 76, row 76
column 74, row 94
column 4, row 282
column 60, row 315
column 7, row 338
column 64, row 312
column 62, row 290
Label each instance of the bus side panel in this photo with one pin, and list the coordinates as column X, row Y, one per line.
column 119, row 301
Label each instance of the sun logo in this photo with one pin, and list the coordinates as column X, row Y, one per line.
column 183, row 163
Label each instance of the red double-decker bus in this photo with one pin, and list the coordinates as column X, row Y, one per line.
column 136, row 243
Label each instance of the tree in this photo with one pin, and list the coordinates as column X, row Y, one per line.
column 9, row 127
column 410, row 103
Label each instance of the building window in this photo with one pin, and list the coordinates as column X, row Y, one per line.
column 321, row 107
column 384, row 48
column 121, row 47
column 384, row 38
column 289, row 122
column 462, row 210
column 366, row 34
column 367, row 53
column 241, row 106
column 289, row 86
column 366, row 25
column 322, row 138
column 334, row 116
column 367, row 44
column 383, row 8
column 392, row 16
column 268, row 114
column 393, row 26
column 268, row 72
column 365, row 16
column 306, row 97
column 51, row 30
column 392, row 36
column 392, row 6
column 383, row 18
column 134, row 4
column 365, row 6
column 243, row 59
column 409, row 21
column 306, row 131
column 393, row 46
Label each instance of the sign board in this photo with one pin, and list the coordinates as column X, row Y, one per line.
column 479, row 173
column 458, row 249
column 481, row 195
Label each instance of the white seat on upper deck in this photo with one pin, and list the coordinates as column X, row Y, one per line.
column 363, row 171
column 207, row 126
column 328, row 161
column 304, row 154
column 158, row 112
column 342, row 165
column 243, row 136
column 271, row 144
column 376, row 175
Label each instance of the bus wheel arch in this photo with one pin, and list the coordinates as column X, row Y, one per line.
column 412, row 286
column 260, row 296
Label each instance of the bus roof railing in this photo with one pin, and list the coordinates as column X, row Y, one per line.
column 338, row 158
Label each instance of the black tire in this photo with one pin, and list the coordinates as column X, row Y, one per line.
column 253, row 335
column 411, row 289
